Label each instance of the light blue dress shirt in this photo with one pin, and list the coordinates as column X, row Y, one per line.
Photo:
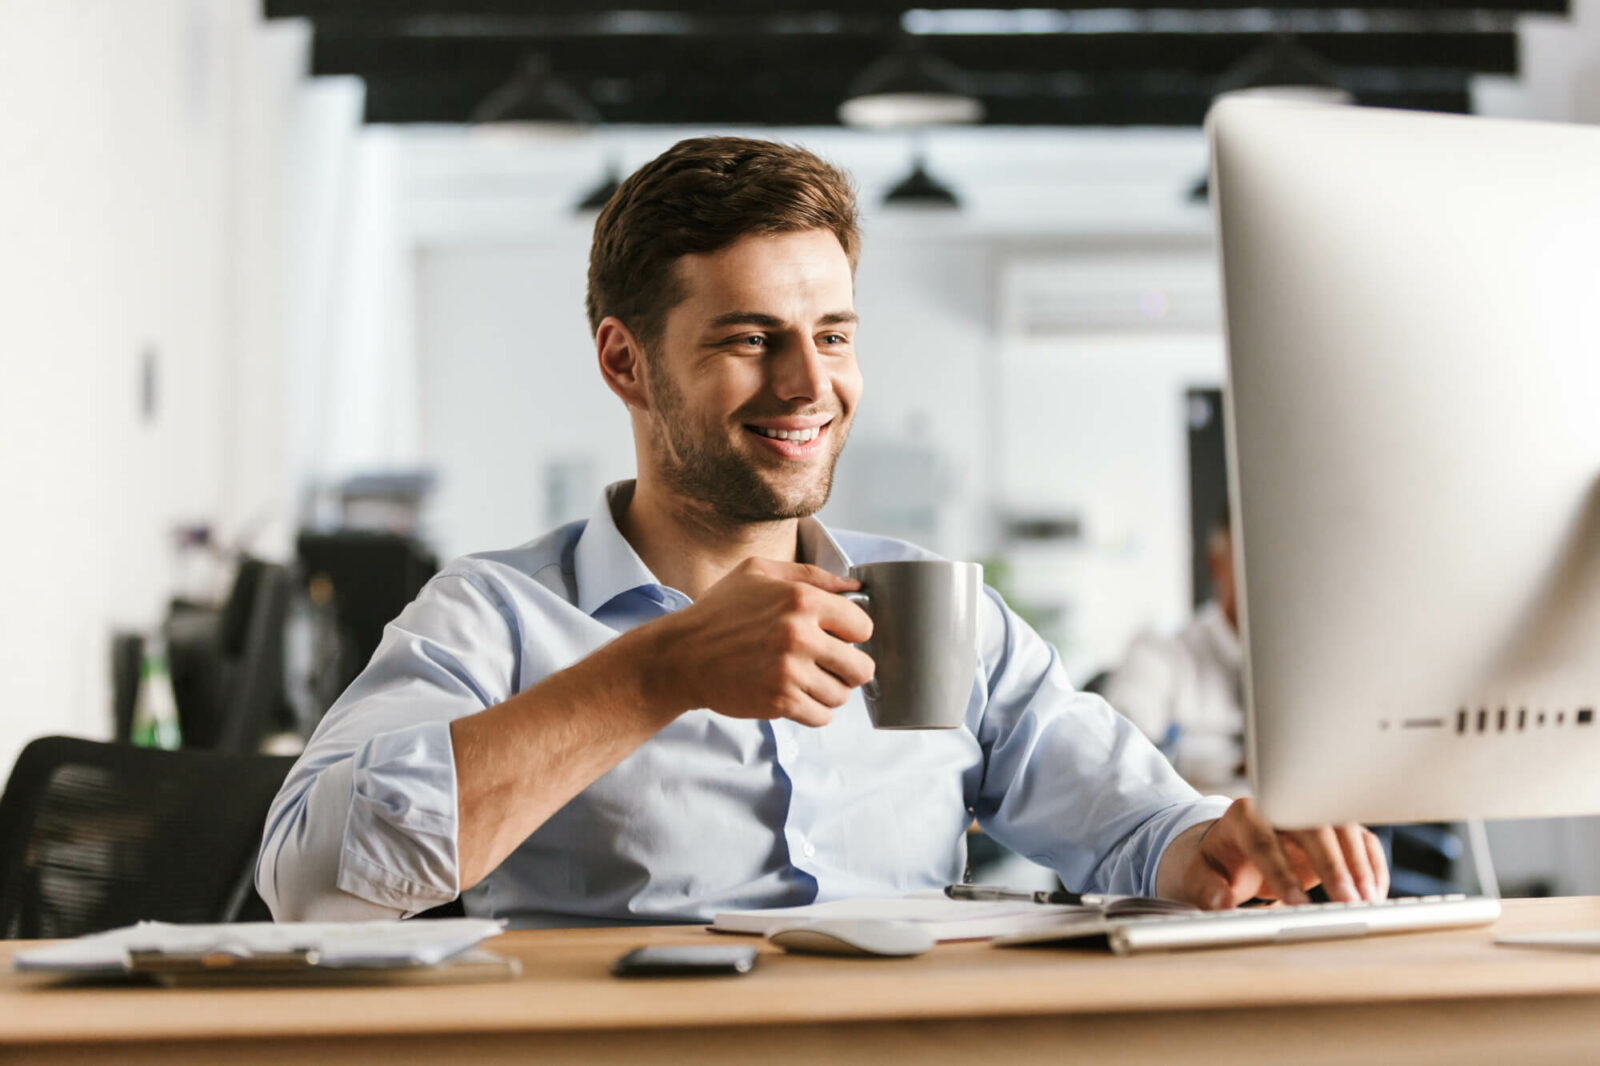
column 712, row 813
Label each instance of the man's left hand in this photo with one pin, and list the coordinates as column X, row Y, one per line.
column 1241, row 856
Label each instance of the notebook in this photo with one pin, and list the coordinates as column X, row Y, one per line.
column 944, row 918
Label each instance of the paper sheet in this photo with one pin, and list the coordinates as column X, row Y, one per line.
column 337, row 944
column 1572, row 940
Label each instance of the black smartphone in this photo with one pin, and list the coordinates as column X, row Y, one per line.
column 702, row 960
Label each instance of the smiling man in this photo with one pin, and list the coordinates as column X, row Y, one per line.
column 654, row 714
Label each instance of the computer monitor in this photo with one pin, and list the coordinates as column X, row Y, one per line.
column 1413, row 321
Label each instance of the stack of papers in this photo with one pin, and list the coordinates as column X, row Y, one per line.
column 327, row 945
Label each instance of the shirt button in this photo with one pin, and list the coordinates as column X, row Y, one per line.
column 809, row 850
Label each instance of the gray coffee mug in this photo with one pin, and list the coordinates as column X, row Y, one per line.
column 924, row 640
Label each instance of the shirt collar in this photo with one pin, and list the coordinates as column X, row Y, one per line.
column 818, row 548
column 607, row 566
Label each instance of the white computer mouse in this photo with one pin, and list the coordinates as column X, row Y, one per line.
column 854, row 936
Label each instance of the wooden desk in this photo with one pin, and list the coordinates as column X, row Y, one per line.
column 1416, row 998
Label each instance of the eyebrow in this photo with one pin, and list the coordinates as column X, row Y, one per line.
column 746, row 318
column 766, row 321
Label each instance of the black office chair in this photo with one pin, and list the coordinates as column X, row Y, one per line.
column 252, row 639
column 226, row 665
column 1097, row 683
column 368, row 578
column 94, row 836
column 198, row 671
column 127, row 656
column 1423, row 859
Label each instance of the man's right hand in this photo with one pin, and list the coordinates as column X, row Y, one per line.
column 770, row 640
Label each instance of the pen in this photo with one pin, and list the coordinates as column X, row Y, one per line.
column 995, row 892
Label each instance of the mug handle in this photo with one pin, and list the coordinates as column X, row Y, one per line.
column 864, row 601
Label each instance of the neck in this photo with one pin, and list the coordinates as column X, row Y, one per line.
column 689, row 548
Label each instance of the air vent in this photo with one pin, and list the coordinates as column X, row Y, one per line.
column 1111, row 291
column 1506, row 720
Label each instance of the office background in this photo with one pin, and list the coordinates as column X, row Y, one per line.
column 225, row 292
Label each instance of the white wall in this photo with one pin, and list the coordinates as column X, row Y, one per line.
column 140, row 151
column 1095, row 428
column 509, row 385
column 926, row 345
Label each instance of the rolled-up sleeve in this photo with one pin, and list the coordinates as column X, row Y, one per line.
column 365, row 824
column 1067, row 781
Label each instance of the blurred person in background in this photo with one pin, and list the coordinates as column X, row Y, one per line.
column 1186, row 691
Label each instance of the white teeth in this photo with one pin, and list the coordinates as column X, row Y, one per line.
column 798, row 436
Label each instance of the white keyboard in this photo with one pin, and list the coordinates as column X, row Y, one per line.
column 1311, row 921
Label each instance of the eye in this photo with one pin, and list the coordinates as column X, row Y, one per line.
column 752, row 341
column 835, row 338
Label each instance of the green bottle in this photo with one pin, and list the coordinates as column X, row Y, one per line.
column 155, row 711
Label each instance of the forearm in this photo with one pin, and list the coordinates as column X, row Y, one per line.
column 520, row 761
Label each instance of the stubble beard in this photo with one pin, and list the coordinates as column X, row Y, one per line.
column 726, row 485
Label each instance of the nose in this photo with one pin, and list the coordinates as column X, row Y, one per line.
column 798, row 374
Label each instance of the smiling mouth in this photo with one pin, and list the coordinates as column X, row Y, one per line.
column 799, row 436
column 792, row 443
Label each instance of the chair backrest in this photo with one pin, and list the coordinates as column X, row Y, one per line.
column 227, row 665
column 373, row 577
column 198, row 671
column 94, row 835
column 254, row 698
column 127, row 655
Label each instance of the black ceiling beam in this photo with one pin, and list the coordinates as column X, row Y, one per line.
column 1215, row 52
column 783, row 62
column 1127, row 100
column 317, row 9
column 582, row 57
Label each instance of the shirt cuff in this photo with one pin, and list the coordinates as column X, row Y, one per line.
column 399, row 847
column 1204, row 809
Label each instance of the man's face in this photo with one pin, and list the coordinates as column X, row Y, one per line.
column 754, row 381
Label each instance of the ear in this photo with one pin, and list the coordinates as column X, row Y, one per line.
column 622, row 362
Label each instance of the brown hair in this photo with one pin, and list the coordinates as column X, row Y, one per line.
column 698, row 197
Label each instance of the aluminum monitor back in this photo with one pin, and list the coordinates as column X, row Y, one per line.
column 1413, row 321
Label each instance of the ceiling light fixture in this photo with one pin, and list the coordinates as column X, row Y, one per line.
column 597, row 198
column 534, row 97
column 919, row 189
column 1283, row 69
column 910, row 88
column 1280, row 69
